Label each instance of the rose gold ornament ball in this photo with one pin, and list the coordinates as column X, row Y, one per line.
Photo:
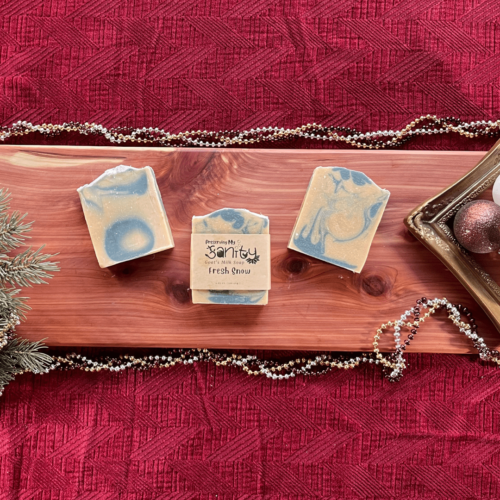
column 477, row 226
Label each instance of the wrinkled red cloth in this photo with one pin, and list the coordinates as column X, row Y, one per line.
column 207, row 432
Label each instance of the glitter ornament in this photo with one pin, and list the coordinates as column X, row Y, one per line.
column 477, row 226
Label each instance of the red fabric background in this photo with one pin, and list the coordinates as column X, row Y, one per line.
column 207, row 432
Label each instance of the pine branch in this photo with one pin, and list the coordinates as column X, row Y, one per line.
column 12, row 308
column 26, row 355
column 12, row 229
column 20, row 355
column 27, row 268
column 30, row 267
column 4, row 200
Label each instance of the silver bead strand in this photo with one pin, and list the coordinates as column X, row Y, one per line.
column 380, row 139
column 393, row 363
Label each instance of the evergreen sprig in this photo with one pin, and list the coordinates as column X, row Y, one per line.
column 19, row 356
column 12, row 228
column 12, row 308
column 27, row 268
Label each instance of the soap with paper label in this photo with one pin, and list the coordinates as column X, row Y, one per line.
column 339, row 216
column 231, row 221
column 125, row 215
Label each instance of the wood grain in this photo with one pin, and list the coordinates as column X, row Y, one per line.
column 312, row 305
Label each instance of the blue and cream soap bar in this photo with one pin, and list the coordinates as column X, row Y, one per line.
column 339, row 216
column 231, row 221
column 125, row 215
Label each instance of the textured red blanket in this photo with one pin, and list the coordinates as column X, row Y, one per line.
column 207, row 432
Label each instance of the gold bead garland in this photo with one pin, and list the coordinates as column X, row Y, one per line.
column 423, row 125
column 393, row 363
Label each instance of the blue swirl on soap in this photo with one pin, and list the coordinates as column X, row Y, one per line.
column 232, row 297
column 348, row 204
column 230, row 215
column 115, row 240
column 240, row 221
column 137, row 187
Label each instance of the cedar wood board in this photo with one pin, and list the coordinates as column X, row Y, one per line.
column 312, row 305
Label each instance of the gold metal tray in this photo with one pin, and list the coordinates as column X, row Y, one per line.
column 431, row 221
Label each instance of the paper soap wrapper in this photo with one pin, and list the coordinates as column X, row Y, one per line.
column 231, row 221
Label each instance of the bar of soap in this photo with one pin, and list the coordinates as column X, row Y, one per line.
column 231, row 221
column 125, row 215
column 339, row 217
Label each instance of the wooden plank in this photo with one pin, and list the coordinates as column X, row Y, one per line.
column 313, row 305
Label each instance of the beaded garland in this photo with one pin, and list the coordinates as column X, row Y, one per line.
column 423, row 125
column 393, row 364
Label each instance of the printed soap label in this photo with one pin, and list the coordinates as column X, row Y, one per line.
column 230, row 262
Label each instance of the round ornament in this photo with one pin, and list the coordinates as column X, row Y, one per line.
column 477, row 226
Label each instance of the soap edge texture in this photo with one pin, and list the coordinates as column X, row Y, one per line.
column 163, row 209
column 290, row 241
column 119, row 169
column 102, row 265
column 228, row 208
column 376, row 227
